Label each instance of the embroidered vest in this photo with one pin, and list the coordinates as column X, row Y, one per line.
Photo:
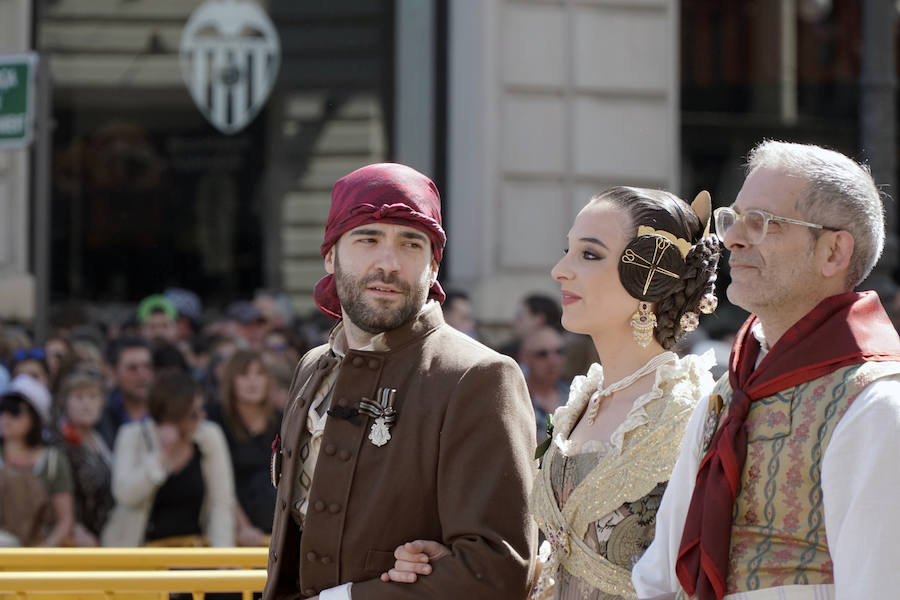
column 778, row 534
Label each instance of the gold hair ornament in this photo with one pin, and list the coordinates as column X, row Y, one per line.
column 631, row 258
column 682, row 244
column 702, row 207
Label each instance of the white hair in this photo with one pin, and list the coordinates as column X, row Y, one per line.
column 839, row 193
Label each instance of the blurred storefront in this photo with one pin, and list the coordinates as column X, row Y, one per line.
column 148, row 193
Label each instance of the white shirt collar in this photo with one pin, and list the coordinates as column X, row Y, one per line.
column 760, row 335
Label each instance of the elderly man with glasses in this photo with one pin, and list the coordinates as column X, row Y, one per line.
column 777, row 490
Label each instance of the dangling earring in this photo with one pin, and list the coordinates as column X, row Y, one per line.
column 689, row 321
column 643, row 321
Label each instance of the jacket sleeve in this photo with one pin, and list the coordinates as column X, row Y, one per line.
column 485, row 472
column 218, row 479
column 137, row 472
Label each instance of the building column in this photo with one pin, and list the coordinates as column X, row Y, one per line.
column 877, row 114
column 17, row 285
column 549, row 104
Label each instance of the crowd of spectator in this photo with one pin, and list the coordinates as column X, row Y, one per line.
column 154, row 431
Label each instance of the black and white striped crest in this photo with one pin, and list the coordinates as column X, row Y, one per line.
column 230, row 56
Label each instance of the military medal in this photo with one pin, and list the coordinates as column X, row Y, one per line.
column 380, row 434
column 382, row 410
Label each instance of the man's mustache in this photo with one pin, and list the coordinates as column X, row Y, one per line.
column 391, row 279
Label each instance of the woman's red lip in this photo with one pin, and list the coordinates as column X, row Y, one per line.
column 569, row 298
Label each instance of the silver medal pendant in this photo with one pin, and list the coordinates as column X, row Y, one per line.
column 379, row 434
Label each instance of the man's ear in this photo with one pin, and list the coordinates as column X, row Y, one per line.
column 835, row 248
column 329, row 261
column 434, row 270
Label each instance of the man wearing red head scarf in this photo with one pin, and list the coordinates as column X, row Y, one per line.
column 400, row 427
column 785, row 483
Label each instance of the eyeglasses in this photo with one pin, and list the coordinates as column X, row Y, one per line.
column 13, row 406
column 548, row 351
column 756, row 222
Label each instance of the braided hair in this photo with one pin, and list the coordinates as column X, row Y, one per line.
column 679, row 282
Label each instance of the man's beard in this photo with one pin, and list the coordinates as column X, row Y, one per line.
column 372, row 319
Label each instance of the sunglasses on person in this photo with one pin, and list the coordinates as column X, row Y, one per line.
column 544, row 353
column 29, row 353
column 756, row 222
column 12, row 406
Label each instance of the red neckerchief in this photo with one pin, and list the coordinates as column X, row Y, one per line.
column 842, row 330
column 70, row 433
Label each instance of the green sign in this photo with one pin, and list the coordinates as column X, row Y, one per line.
column 17, row 74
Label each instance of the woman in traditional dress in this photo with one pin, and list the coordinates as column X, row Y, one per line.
column 640, row 265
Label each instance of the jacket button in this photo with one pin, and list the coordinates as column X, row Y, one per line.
column 342, row 401
column 311, row 556
column 374, row 364
column 334, row 508
column 319, row 505
column 274, row 556
column 330, row 449
column 358, row 361
column 344, row 455
column 289, row 452
column 326, row 560
column 309, row 592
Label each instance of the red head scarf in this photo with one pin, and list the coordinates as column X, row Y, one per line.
column 381, row 193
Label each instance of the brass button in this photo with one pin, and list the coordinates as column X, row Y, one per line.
column 344, row 455
column 358, row 361
column 326, row 560
column 289, row 452
column 374, row 364
column 319, row 505
column 330, row 449
column 311, row 556
column 334, row 508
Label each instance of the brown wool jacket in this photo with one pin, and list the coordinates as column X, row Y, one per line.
column 457, row 469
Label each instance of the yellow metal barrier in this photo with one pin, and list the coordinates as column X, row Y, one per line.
column 118, row 584
column 115, row 559
column 129, row 573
